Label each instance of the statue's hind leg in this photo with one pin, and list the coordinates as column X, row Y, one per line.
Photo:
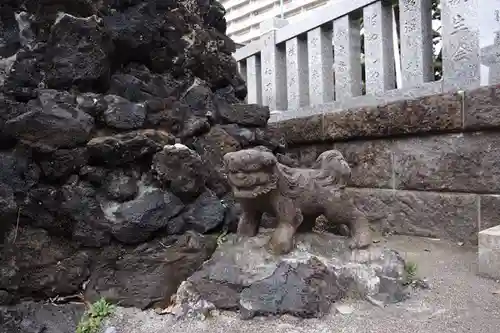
column 343, row 210
column 289, row 219
column 361, row 235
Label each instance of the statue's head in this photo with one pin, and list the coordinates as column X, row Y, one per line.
column 334, row 162
column 251, row 172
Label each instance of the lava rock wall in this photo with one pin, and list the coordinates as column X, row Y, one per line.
column 114, row 117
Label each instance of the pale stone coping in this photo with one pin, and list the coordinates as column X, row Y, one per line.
column 493, row 231
column 426, row 89
column 248, row 50
column 489, row 252
column 316, row 18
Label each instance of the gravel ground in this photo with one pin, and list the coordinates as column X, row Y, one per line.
column 459, row 301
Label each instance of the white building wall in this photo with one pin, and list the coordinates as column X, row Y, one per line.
column 244, row 16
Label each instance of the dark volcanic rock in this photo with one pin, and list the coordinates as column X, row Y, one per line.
column 79, row 50
column 121, row 185
column 145, row 20
column 122, row 114
column 128, row 147
column 63, row 162
column 212, row 147
column 251, row 115
column 33, row 264
column 176, row 117
column 199, row 99
column 255, row 136
column 167, row 113
column 51, row 122
column 41, row 207
column 38, row 317
column 9, row 108
column 96, row 98
column 246, row 137
column 9, row 33
column 8, row 208
column 224, row 296
column 72, row 211
column 204, row 215
column 91, row 103
column 149, row 274
column 136, row 220
column 19, row 172
column 31, row 317
column 76, row 54
column 181, row 170
column 314, row 288
column 137, row 84
column 243, row 276
column 6, row 298
column 81, row 205
column 94, row 174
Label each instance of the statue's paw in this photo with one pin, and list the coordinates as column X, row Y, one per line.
column 279, row 247
column 360, row 241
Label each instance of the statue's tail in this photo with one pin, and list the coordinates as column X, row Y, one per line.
column 334, row 163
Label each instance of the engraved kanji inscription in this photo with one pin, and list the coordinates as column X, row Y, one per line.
column 459, row 24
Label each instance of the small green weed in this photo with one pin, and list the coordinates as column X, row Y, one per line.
column 410, row 272
column 93, row 317
column 222, row 237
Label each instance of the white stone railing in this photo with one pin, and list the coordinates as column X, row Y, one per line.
column 296, row 68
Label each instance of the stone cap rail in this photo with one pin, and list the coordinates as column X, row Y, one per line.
column 472, row 110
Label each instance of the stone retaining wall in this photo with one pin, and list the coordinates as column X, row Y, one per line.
column 428, row 166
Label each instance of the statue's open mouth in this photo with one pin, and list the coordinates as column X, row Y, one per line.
column 243, row 179
column 252, row 192
column 252, row 184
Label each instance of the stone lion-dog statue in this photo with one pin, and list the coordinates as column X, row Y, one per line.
column 295, row 196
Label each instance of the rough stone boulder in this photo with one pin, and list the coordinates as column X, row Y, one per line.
column 148, row 275
column 181, row 169
column 52, row 121
column 82, row 42
column 251, row 115
column 35, row 264
column 122, row 114
column 243, row 276
column 31, row 317
column 127, row 147
column 136, row 220
column 206, row 213
column 114, row 117
column 77, row 53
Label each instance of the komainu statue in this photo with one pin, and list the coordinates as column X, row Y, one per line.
column 295, row 196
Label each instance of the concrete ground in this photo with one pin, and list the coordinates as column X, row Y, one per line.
column 458, row 301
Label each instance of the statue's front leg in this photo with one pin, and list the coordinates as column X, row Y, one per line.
column 361, row 235
column 289, row 219
column 249, row 222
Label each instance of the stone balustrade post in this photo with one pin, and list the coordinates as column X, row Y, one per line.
column 273, row 62
column 379, row 50
column 347, row 57
column 320, row 59
column 297, row 73
column 461, row 51
column 416, row 42
column 254, row 80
